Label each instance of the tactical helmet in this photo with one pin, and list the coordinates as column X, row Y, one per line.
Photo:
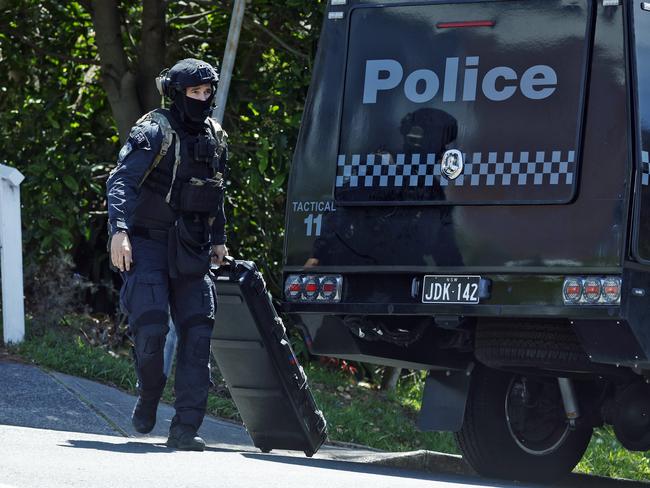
column 186, row 73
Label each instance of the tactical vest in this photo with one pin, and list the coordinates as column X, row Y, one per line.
column 186, row 186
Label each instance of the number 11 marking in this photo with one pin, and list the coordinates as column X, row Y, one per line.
column 312, row 220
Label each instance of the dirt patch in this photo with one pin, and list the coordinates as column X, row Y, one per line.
column 8, row 357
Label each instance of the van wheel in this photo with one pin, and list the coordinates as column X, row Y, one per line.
column 515, row 428
column 550, row 345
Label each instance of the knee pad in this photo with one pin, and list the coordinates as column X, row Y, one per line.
column 197, row 344
column 150, row 341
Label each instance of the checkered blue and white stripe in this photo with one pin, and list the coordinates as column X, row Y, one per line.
column 482, row 169
column 645, row 161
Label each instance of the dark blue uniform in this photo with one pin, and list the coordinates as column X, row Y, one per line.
column 147, row 210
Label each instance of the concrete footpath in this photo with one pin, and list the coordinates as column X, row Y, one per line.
column 32, row 398
column 35, row 398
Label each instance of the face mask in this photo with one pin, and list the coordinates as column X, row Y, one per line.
column 193, row 110
column 197, row 110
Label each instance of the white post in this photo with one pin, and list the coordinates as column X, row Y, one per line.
column 11, row 255
column 228, row 62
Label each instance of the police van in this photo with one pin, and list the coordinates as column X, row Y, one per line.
column 470, row 195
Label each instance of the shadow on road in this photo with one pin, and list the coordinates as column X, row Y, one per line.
column 126, row 448
column 365, row 468
column 130, row 447
column 571, row 481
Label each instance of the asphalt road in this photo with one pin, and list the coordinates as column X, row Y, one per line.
column 61, row 431
column 43, row 458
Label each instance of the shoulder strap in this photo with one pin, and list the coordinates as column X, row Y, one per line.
column 159, row 117
column 220, row 135
column 217, row 131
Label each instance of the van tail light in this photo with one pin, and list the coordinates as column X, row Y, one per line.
column 313, row 288
column 592, row 290
column 572, row 290
column 293, row 288
column 612, row 290
column 310, row 287
column 329, row 288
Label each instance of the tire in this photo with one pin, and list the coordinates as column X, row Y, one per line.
column 505, row 437
column 552, row 345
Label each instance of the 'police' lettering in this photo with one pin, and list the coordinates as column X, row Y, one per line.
column 374, row 83
column 490, row 83
column 422, row 85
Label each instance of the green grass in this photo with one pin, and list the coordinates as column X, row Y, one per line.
column 68, row 353
column 360, row 414
column 606, row 457
column 356, row 412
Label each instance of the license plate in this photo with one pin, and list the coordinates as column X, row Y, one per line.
column 450, row 289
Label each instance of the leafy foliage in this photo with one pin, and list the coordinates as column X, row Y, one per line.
column 52, row 112
column 60, row 130
column 69, row 353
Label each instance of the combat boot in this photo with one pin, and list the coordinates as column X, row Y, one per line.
column 144, row 414
column 184, row 438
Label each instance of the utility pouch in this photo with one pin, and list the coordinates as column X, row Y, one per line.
column 202, row 195
column 187, row 257
column 205, row 149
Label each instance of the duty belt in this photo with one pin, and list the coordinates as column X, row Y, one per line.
column 154, row 234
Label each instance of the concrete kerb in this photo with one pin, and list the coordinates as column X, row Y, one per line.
column 116, row 407
column 421, row 460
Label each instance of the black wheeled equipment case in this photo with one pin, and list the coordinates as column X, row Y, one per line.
column 255, row 357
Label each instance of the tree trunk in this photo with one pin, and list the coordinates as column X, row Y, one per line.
column 118, row 81
column 390, row 378
column 151, row 52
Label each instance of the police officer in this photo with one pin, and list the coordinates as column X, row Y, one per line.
column 166, row 220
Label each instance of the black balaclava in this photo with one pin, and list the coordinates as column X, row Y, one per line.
column 191, row 113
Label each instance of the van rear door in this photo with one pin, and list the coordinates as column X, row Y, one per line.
column 502, row 82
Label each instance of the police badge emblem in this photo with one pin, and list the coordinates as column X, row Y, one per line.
column 452, row 164
column 140, row 139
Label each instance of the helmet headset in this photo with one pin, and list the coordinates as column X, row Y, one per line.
column 175, row 80
column 163, row 82
column 185, row 74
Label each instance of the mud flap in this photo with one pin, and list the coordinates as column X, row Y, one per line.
column 443, row 401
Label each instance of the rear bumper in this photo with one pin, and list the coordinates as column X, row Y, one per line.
column 617, row 335
column 510, row 295
column 523, row 311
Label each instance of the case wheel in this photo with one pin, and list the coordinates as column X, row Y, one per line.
column 515, row 428
column 265, row 450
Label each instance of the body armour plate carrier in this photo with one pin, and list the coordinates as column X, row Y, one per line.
column 181, row 185
column 186, row 171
